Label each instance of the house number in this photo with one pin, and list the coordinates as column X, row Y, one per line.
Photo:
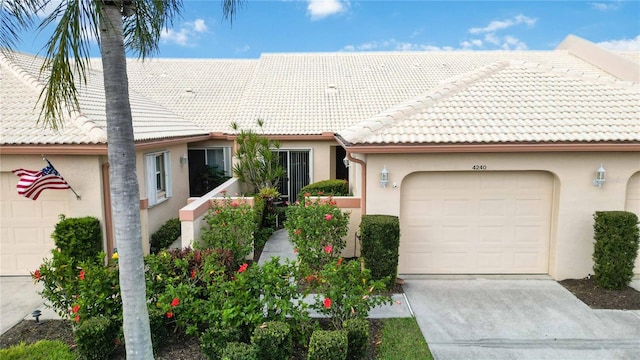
column 479, row 167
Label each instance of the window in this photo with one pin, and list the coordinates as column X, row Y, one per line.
column 200, row 163
column 158, row 166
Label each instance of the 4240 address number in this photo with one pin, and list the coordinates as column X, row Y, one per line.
column 479, row 167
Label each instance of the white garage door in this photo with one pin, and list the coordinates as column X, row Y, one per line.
column 26, row 226
column 633, row 205
column 475, row 223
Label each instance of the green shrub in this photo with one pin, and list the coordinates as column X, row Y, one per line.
column 214, row 340
column 41, row 350
column 96, row 337
column 158, row 326
column 80, row 238
column 334, row 187
column 328, row 345
column 166, row 235
column 358, row 335
column 316, row 229
column 231, row 227
column 380, row 246
column 616, row 248
column 239, row 351
column 272, row 340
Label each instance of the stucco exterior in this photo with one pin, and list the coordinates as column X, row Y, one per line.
column 575, row 198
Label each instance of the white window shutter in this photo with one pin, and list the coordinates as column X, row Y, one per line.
column 150, row 166
column 167, row 174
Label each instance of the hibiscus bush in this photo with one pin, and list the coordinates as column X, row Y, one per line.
column 231, row 227
column 316, row 229
column 344, row 290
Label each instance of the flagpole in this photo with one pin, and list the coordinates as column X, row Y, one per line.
column 70, row 188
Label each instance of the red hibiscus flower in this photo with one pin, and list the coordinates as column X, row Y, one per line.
column 193, row 274
column 81, row 276
column 234, row 204
column 339, row 261
column 243, row 267
column 169, row 315
column 175, row 302
column 36, row 274
column 76, row 308
column 77, row 319
column 328, row 217
column 328, row 249
column 298, row 231
column 327, row 303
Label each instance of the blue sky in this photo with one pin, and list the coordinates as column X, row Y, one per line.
column 365, row 25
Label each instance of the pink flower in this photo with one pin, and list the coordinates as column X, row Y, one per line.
column 243, row 267
column 295, row 251
column 298, row 231
column 327, row 303
column 223, row 192
column 175, row 302
column 339, row 261
column 328, row 217
column 169, row 315
column 234, row 204
column 76, row 308
column 81, row 276
column 77, row 319
column 328, row 249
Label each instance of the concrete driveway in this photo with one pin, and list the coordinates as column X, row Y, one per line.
column 518, row 319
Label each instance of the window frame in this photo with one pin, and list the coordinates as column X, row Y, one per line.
column 159, row 187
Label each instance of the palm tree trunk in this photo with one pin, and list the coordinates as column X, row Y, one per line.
column 125, row 193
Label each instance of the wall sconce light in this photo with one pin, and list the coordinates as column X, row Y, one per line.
column 384, row 177
column 184, row 159
column 600, row 177
column 346, row 162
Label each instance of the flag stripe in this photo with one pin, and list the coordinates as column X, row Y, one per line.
column 32, row 183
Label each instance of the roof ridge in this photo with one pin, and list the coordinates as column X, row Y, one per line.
column 93, row 131
column 412, row 106
column 572, row 73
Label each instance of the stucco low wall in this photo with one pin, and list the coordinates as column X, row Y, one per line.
column 575, row 198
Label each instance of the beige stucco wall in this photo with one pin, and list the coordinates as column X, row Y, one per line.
column 575, row 199
column 153, row 217
column 322, row 161
column 83, row 173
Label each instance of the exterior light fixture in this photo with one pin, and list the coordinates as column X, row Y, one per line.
column 384, row 177
column 346, row 162
column 600, row 177
column 184, row 159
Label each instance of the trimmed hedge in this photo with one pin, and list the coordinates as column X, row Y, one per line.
column 273, row 341
column 328, row 345
column 358, row 336
column 380, row 236
column 80, row 238
column 159, row 328
column 213, row 341
column 239, row 351
column 96, row 337
column 616, row 247
column 334, row 187
column 41, row 350
column 166, row 235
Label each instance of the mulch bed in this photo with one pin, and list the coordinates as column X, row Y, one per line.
column 596, row 297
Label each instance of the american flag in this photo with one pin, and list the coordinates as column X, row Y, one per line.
column 32, row 182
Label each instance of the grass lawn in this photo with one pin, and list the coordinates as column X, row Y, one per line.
column 402, row 339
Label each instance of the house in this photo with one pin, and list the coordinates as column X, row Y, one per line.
column 488, row 158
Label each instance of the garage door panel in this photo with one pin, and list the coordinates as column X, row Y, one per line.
column 476, row 222
column 26, row 227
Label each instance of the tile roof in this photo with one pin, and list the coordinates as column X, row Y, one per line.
column 20, row 89
column 508, row 102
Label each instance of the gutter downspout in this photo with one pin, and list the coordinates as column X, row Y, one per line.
column 363, row 165
column 108, row 220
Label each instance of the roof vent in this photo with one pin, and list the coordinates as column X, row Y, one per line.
column 331, row 89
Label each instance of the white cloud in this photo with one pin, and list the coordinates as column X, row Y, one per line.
column 319, row 9
column 243, row 49
column 622, row 45
column 504, row 24
column 512, row 43
column 394, row 45
column 605, row 6
column 187, row 34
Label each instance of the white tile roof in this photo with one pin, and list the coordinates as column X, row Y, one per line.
column 20, row 89
column 348, row 93
column 509, row 102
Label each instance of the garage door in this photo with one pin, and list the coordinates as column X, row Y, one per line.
column 633, row 205
column 475, row 223
column 26, row 226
